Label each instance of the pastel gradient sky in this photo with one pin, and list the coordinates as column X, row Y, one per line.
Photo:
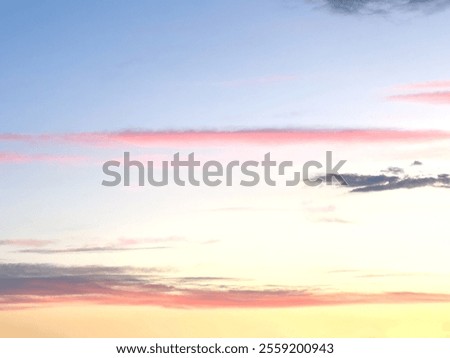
column 81, row 82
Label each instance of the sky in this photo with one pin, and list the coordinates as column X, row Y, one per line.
column 83, row 82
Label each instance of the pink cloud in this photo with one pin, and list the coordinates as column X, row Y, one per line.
column 26, row 243
column 251, row 137
column 426, row 85
column 56, row 292
column 11, row 157
column 123, row 242
column 442, row 97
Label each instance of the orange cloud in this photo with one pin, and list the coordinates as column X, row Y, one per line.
column 23, row 286
column 74, row 292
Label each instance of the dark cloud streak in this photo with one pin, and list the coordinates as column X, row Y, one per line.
column 96, row 249
column 407, row 183
column 372, row 183
column 384, row 7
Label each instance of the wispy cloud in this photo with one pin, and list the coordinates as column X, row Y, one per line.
column 144, row 138
column 122, row 244
column 442, row 97
column 439, row 93
column 12, row 157
column 26, row 243
column 333, row 220
column 89, row 249
column 393, row 170
column 383, row 7
column 23, row 286
column 425, row 85
column 376, row 275
column 126, row 241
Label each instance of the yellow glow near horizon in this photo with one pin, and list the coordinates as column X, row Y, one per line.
column 414, row 320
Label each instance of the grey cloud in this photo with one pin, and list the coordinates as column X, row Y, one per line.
column 11, row 275
column 45, row 280
column 96, row 249
column 204, row 278
column 206, row 281
column 393, row 170
column 357, row 180
column 416, row 162
column 371, row 183
column 51, row 280
column 10, row 270
column 371, row 7
column 407, row 183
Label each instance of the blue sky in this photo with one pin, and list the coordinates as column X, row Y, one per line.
column 96, row 66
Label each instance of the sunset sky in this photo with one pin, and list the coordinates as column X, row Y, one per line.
column 82, row 82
